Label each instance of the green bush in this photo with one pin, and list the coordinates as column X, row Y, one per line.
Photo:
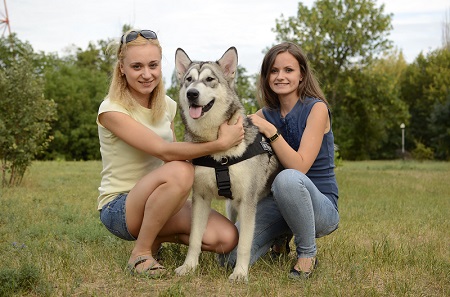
column 25, row 118
column 421, row 152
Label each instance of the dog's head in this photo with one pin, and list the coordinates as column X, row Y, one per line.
column 207, row 88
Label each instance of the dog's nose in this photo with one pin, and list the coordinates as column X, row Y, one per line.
column 192, row 94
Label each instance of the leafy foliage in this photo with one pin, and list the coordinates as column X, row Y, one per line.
column 370, row 111
column 440, row 129
column 370, row 87
column 245, row 89
column 342, row 39
column 425, row 87
column 337, row 35
column 78, row 86
column 25, row 114
column 421, row 152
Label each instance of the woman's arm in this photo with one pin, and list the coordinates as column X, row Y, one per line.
column 144, row 139
column 316, row 126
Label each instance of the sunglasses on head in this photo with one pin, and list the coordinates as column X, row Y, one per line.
column 147, row 34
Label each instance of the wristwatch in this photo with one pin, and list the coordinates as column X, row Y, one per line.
column 274, row 137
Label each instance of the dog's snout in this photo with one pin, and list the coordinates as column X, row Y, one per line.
column 192, row 94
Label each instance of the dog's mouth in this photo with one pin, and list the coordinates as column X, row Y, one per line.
column 196, row 111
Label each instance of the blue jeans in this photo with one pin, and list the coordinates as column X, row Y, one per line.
column 296, row 208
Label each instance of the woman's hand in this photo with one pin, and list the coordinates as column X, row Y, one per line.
column 263, row 125
column 231, row 135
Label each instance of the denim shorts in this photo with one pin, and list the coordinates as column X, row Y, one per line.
column 112, row 216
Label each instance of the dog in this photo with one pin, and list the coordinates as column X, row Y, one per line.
column 208, row 99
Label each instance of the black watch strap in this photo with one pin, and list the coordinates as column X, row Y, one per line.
column 274, row 137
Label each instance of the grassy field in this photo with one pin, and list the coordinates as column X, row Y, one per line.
column 393, row 240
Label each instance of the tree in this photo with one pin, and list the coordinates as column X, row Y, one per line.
column 344, row 40
column 371, row 111
column 174, row 92
column 425, row 87
column 337, row 35
column 25, row 114
column 440, row 129
column 77, row 83
column 245, row 89
column 12, row 48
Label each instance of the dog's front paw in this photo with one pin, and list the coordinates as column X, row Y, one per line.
column 238, row 277
column 184, row 269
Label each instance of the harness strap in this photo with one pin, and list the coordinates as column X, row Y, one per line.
column 223, row 182
column 259, row 146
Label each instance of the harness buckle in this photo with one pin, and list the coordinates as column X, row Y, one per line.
column 223, row 182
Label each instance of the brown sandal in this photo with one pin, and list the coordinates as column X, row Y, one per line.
column 154, row 270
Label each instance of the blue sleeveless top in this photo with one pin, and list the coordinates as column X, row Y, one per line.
column 292, row 127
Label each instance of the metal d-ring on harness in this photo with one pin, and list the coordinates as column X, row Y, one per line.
column 259, row 146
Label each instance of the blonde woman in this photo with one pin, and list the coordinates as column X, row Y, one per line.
column 146, row 179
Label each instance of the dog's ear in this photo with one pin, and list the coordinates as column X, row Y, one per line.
column 229, row 62
column 182, row 62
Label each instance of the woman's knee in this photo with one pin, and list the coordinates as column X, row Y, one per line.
column 288, row 177
column 183, row 175
column 288, row 181
column 221, row 235
column 229, row 239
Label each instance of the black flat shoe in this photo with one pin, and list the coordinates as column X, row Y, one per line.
column 302, row 275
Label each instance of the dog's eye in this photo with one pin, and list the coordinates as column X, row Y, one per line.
column 189, row 78
column 209, row 79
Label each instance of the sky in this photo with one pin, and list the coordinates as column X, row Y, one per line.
column 204, row 29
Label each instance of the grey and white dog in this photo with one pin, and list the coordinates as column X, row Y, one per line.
column 208, row 99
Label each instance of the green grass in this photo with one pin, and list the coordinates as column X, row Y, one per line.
column 393, row 240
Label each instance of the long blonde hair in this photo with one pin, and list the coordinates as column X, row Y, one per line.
column 118, row 89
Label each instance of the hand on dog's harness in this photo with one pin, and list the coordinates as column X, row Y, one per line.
column 259, row 146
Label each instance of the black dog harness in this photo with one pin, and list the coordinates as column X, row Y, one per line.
column 259, row 146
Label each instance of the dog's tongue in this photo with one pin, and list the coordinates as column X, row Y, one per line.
column 195, row 111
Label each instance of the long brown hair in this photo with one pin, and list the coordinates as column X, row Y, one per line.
column 118, row 89
column 308, row 87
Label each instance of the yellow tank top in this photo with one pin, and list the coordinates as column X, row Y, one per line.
column 124, row 165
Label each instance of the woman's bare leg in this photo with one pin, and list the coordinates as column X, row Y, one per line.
column 153, row 201
column 221, row 235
